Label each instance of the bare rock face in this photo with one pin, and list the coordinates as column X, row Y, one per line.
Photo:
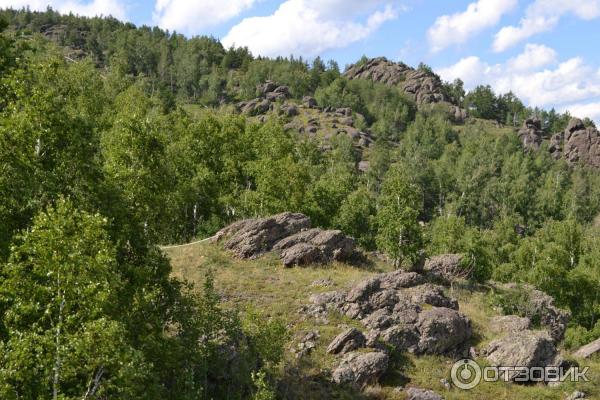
column 523, row 349
column 361, row 369
column 290, row 235
column 402, row 311
column 531, row 134
column 347, row 341
column 422, row 394
column 577, row 144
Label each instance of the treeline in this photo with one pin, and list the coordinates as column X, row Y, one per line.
column 506, row 109
column 195, row 70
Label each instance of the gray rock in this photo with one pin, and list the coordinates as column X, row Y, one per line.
column 422, row 394
column 442, row 330
column 576, row 395
column 432, row 295
column 402, row 338
column 577, row 144
column 309, row 102
column 531, row 134
column 523, row 349
column 347, row 341
column 290, row 236
column 302, row 254
column 253, row 237
column 267, row 87
column 361, row 369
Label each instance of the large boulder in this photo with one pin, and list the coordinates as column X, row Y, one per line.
column 253, row 237
column 347, row 341
column 289, row 235
column 523, row 349
column 531, row 134
column 361, row 369
column 442, row 330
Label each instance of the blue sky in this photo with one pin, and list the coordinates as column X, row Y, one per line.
column 543, row 50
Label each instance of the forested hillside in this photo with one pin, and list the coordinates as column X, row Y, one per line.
column 116, row 139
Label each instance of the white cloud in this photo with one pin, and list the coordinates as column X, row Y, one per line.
column 458, row 28
column 192, row 16
column 543, row 16
column 534, row 57
column 582, row 110
column 90, row 9
column 572, row 81
column 309, row 27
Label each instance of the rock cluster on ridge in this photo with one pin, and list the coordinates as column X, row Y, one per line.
column 291, row 236
column 423, row 87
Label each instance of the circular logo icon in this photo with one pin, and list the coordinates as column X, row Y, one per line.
column 466, row 374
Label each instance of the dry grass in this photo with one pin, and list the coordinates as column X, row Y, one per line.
column 278, row 292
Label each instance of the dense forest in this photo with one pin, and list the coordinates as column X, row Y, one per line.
column 115, row 139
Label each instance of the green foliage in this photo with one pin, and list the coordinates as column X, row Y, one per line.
column 356, row 217
column 398, row 230
column 62, row 335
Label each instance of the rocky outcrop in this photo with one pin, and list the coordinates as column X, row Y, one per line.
column 361, row 369
column 523, row 349
column 577, row 144
column 531, row 134
column 402, row 311
column 252, row 238
column 422, row 394
column 349, row 340
column 423, row 86
column 269, row 93
column 289, row 235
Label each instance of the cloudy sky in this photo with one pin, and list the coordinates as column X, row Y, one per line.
column 545, row 51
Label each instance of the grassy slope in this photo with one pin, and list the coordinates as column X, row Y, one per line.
column 266, row 286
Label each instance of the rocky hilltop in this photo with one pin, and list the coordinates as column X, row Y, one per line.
column 422, row 86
